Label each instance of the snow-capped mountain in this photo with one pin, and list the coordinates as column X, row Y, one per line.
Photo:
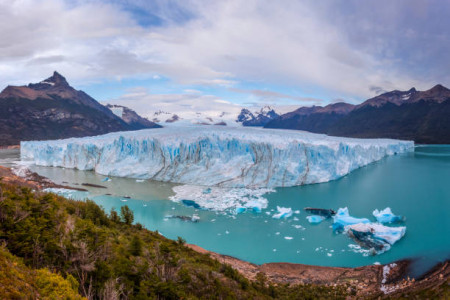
column 257, row 118
column 131, row 117
column 254, row 116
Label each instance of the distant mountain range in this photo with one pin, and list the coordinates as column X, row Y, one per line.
column 52, row 109
column 244, row 117
column 422, row 116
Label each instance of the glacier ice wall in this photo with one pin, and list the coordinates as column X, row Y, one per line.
column 216, row 155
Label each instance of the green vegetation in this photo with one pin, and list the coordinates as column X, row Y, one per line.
column 67, row 245
column 17, row 281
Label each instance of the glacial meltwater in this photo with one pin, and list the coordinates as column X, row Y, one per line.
column 415, row 185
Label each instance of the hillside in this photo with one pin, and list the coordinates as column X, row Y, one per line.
column 52, row 109
column 107, row 257
column 422, row 116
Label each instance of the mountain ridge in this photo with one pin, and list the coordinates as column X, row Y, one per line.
column 422, row 116
column 52, row 109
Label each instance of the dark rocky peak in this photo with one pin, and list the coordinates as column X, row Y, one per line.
column 438, row 93
column 439, row 88
column 55, row 81
column 245, row 115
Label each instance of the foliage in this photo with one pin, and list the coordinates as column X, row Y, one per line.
column 106, row 257
column 20, row 282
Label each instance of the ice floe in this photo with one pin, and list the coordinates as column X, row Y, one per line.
column 342, row 218
column 238, row 200
column 315, row 219
column 374, row 236
column 283, row 213
column 386, row 216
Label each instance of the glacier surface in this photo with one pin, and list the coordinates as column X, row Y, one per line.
column 215, row 155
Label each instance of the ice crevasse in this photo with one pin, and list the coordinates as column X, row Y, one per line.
column 215, row 155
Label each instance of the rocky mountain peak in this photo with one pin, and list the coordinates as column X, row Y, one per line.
column 439, row 88
column 55, row 81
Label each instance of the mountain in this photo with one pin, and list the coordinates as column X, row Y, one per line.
column 422, row 116
column 131, row 117
column 234, row 117
column 52, row 109
column 258, row 118
column 314, row 119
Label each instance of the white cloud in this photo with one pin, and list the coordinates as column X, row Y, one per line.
column 303, row 44
column 186, row 105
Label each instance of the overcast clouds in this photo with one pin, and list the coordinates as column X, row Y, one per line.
column 237, row 51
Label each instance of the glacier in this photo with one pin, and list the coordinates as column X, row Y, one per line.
column 215, row 155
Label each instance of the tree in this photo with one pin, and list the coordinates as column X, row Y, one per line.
column 127, row 215
column 136, row 246
column 113, row 216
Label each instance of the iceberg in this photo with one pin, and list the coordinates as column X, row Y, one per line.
column 342, row 219
column 283, row 213
column 376, row 237
column 315, row 219
column 236, row 200
column 386, row 216
column 215, row 155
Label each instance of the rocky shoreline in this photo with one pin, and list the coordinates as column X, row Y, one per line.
column 372, row 281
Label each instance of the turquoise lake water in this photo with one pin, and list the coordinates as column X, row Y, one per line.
column 415, row 185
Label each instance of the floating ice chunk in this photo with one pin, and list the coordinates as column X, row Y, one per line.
column 376, row 237
column 221, row 199
column 386, row 216
column 288, row 237
column 215, row 155
column 329, row 254
column 315, row 219
column 296, row 212
column 342, row 219
column 106, row 179
column 140, row 180
column 68, row 193
column 190, row 203
column 256, row 206
column 283, row 213
column 240, row 210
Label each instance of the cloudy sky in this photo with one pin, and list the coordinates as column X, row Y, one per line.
column 213, row 55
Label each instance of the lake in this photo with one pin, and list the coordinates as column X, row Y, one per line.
column 415, row 185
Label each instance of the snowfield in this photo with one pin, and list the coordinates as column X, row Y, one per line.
column 215, row 155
